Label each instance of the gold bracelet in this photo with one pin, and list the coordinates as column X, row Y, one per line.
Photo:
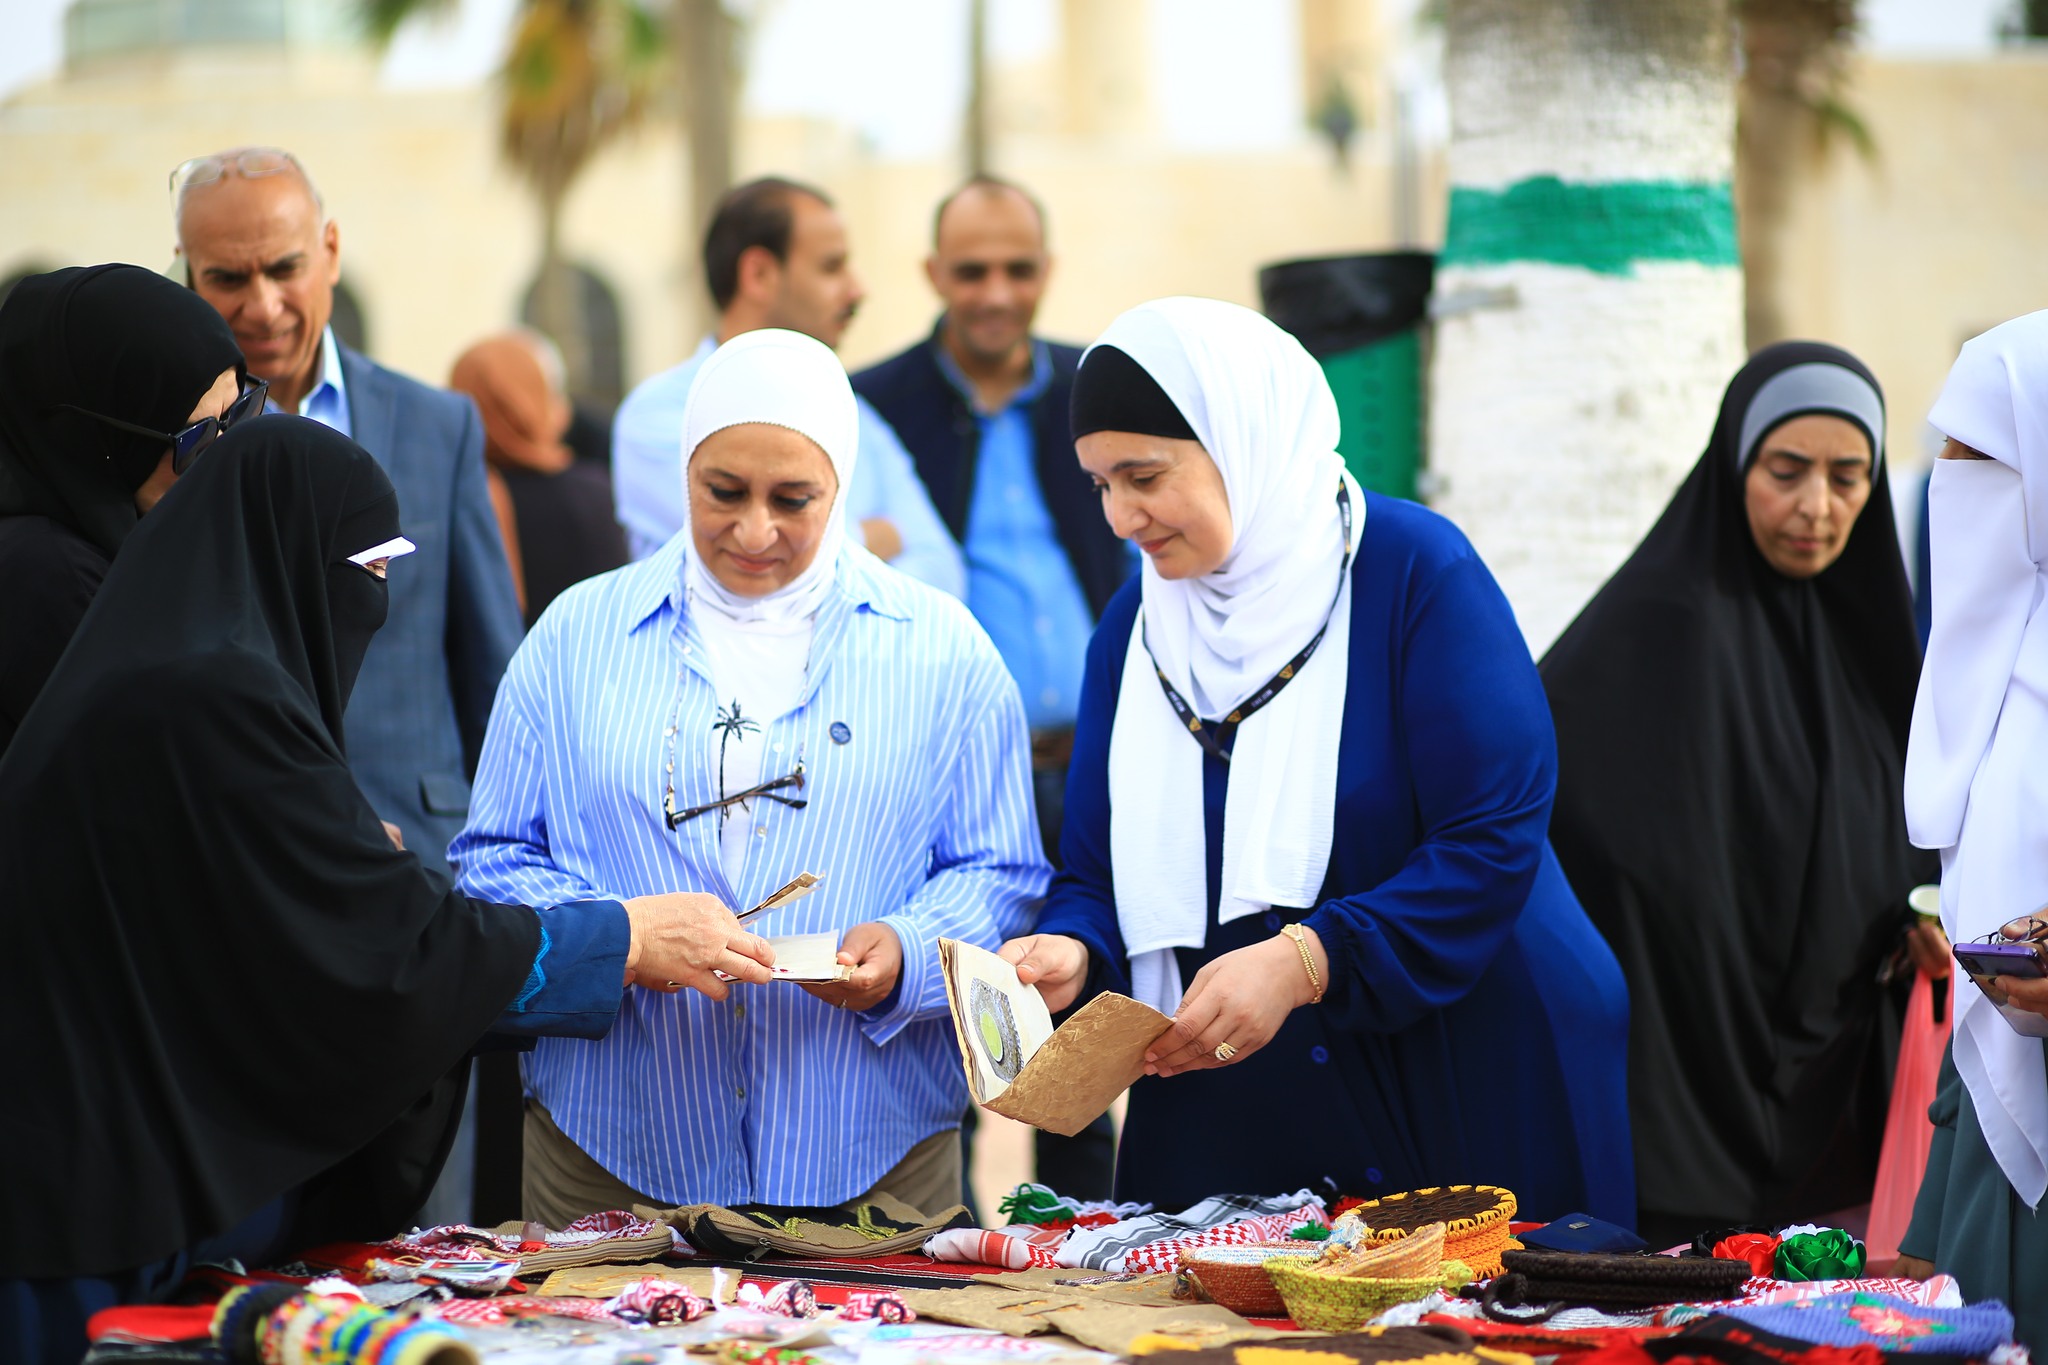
column 1308, row 962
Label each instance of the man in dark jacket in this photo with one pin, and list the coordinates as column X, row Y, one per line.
column 981, row 405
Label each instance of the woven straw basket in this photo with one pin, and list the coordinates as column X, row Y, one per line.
column 1322, row 1302
column 1476, row 1219
column 1235, row 1276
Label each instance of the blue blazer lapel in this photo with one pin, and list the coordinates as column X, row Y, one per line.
column 372, row 408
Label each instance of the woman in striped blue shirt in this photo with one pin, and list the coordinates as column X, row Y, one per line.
column 758, row 699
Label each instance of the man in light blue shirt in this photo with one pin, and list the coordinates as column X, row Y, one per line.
column 982, row 406
column 775, row 255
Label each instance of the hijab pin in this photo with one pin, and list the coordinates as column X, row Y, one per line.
column 841, row 732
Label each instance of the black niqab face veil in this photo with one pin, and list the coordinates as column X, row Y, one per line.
column 246, row 983
column 1731, row 750
column 116, row 340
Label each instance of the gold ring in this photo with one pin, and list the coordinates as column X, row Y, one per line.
column 672, row 985
column 1224, row 1052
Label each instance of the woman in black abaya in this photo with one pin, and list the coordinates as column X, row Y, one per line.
column 237, row 1013
column 1731, row 716
column 90, row 359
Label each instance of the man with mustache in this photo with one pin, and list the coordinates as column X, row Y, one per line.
column 982, row 405
column 258, row 245
column 776, row 255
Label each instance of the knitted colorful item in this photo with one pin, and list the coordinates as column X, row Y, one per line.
column 1409, row 1256
column 253, row 1327
column 1235, row 1276
column 1475, row 1218
column 1891, row 1325
column 1323, row 1302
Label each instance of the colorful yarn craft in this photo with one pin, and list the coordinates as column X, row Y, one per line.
column 1235, row 1276
column 276, row 1325
column 1323, row 1302
column 1475, row 1219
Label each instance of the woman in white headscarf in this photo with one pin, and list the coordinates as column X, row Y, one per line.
column 1312, row 774
column 760, row 698
column 1977, row 790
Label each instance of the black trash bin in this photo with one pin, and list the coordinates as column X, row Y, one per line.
column 1363, row 318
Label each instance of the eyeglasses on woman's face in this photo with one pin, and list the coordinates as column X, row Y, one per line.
column 189, row 444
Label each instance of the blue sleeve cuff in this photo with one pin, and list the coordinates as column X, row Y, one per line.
column 577, row 980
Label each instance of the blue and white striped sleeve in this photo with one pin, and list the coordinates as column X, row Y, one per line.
column 988, row 868
column 502, row 853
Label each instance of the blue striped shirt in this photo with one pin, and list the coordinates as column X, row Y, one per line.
column 922, row 819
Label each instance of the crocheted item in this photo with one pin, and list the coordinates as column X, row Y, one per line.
column 252, row 1326
column 1890, row 1324
column 1323, row 1302
column 1235, row 1276
column 1475, row 1219
column 1410, row 1256
column 1549, row 1280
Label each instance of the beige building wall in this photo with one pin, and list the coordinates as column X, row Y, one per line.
column 1946, row 234
column 439, row 239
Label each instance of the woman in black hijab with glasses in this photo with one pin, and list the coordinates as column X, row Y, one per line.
column 112, row 379
column 238, row 1013
column 1731, row 716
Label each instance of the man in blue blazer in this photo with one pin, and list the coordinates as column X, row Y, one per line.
column 258, row 246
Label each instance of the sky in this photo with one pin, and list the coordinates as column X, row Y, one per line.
column 1226, row 73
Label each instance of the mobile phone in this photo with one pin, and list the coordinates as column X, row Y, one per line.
column 1986, row 960
column 2000, row 959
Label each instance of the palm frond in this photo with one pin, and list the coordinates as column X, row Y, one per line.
column 381, row 19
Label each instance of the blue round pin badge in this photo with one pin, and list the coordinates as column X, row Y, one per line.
column 841, row 732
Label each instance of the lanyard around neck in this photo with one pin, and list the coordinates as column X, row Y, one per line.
column 1221, row 738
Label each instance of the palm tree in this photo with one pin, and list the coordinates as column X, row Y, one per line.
column 1589, row 293
column 1791, row 107
column 579, row 74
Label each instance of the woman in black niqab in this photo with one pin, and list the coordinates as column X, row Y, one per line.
column 1731, row 749
column 224, row 985
column 116, row 340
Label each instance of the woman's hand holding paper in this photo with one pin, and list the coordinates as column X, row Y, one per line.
column 876, row 956
column 1055, row 963
column 681, row 938
column 1240, row 999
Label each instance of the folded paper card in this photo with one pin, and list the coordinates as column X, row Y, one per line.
column 806, row 958
column 1021, row 1067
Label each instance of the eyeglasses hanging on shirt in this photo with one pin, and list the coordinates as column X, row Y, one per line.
column 189, row 444
column 730, row 725
column 1221, row 738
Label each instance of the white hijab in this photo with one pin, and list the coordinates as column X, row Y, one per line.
column 783, row 379
column 1977, row 762
column 1260, row 406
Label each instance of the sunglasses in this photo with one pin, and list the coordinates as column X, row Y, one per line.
column 188, row 445
column 250, row 162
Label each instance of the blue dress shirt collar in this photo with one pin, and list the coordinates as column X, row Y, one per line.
column 1041, row 375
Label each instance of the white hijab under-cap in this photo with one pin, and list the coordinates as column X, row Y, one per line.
column 1976, row 780
column 782, row 379
column 1260, row 406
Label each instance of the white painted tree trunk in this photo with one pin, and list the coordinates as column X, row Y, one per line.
column 1589, row 299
